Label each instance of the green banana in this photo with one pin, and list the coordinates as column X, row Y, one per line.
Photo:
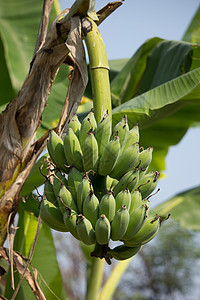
column 83, row 191
column 119, row 224
column 146, row 233
column 74, row 178
column 109, row 157
column 49, row 192
column 59, row 179
column 85, row 230
column 133, row 137
column 102, row 230
column 103, row 133
column 107, row 206
column 75, row 125
column 122, row 130
column 123, row 252
column 136, row 221
column 145, row 157
column 111, row 183
column 136, row 200
column 65, row 199
column 126, row 161
column 148, row 183
column 130, row 180
column 56, row 151
column 69, row 218
column 91, row 208
column 90, row 152
column 72, row 149
column 123, row 198
column 89, row 124
column 52, row 216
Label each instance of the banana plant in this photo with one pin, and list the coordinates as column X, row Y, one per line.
column 153, row 101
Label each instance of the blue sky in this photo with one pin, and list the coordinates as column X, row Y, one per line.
column 135, row 21
column 123, row 32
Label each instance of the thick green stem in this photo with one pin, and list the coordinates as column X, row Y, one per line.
column 99, row 69
column 113, row 280
column 94, row 278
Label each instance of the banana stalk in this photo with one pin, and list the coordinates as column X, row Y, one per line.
column 99, row 69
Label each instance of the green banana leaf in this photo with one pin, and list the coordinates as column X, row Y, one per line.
column 6, row 90
column 164, row 113
column 44, row 259
column 124, row 86
column 36, row 178
column 183, row 208
column 192, row 33
column 19, row 25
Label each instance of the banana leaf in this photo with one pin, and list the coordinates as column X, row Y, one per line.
column 183, row 208
column 192, row 34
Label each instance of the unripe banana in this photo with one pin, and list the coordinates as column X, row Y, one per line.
column 126, row 161
column 52, row 216
column 153, row 185
column 69, row 218
column 136, row 200
column 146, row 233
column 89, row 124
column 102, row 230
column 72, row 149
column 49, row 192
column 133, row 137
column 74, row 178
column 85, row 230
column 123, row 252
column 91, row 208
column 136, row 221
column 107, row 206
column 83, row 191
column 65, row 199
column 75, row 125
column 148, row 183
column 103, row 133
column 109, row 157
column 122, row 130
column 145, row 157
column 111, row 183
column 56, row 151
column 90, row 152
column 130, row 180
column 119, row 224
column 123, row 198
column 59, row 179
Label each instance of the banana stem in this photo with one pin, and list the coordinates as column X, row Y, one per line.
column 94, row 278
column 99, row 69
column 113, row 280
column 99, row 72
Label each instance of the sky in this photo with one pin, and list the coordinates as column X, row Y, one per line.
column 124, row 32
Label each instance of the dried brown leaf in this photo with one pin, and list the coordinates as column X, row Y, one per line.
column 20, row 265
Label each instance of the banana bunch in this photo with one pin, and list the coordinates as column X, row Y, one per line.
column 105, row 194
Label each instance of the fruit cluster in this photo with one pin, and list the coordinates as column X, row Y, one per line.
column 106, row 193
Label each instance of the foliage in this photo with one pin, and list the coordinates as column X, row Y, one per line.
column 163, row 100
